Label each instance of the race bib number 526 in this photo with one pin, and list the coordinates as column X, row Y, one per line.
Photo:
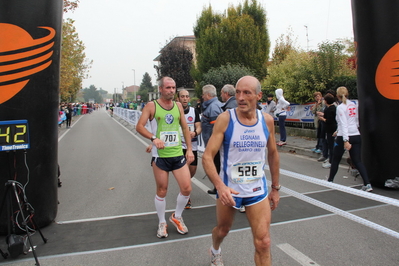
column 246, row 172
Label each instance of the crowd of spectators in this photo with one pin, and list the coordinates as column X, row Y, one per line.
column 132, row 105
column 68, row 110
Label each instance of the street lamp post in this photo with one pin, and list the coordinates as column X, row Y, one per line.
column 134, row 84
column 123, row 87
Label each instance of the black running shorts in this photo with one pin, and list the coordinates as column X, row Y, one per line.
column 170, row 164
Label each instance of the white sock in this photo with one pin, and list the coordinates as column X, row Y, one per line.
column 214, row 251
column 180, row 204
column 160, row 206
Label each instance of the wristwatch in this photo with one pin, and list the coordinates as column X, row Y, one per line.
column 346, row 140
column 276, row 187
column 153, row 138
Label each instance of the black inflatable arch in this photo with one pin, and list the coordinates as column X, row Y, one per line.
column 29, row 90
column 376, row 31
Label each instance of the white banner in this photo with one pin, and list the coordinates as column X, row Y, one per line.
column 131, row 116
column 297, row 113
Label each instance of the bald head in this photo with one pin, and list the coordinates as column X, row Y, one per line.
column 251, row 82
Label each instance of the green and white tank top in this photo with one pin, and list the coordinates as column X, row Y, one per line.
column 165, row 126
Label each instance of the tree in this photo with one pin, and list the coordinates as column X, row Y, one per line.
column 294, row 76
column 227, row 74
column 329, row 61
column 240, row 37
column 175, row 62
column 284, row 45
column 144, row 95
column 92, row 93
column 300, row 74
column 74, row 65
column 70, row 5
column 146, row 83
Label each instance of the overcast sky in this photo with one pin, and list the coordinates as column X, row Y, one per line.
column 122, row 35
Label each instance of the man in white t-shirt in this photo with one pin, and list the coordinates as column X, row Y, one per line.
column 194, row 125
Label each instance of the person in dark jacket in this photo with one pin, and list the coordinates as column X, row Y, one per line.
column 228, row 93
column 211, row 109
column 330, row 126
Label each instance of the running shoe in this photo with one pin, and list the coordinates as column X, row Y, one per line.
column 162, row 230
column 179, row 223
column 242, row 209
column 326, row 165
column 188, row 205
column 367, row 188
column 216, row 259
column 314, row 150
column 318, row 151
column 283, row 143
column 321, row 159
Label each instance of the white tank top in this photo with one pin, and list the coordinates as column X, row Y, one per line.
column 190, row 119
column 243, row 155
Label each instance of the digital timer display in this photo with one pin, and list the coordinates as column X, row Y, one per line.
column 14, row 135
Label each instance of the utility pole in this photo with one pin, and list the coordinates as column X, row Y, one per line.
column 307, row 38
column 134, row 84
column 123, row 87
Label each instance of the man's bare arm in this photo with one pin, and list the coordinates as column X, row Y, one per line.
column 146, row 114
column 211, row 150
column 273, row 159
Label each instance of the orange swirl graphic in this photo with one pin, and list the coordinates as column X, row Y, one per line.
column 387, row 74
column 17, row 66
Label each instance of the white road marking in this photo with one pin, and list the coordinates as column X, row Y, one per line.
column 202, row 186
column 297, row 255
column 60, row 137
column 124, row 215
column 349, row 190
column 134, row 135
column 340, row 212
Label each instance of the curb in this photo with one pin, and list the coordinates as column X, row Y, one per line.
column 306, row 152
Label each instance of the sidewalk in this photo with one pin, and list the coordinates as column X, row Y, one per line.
column 303, row 146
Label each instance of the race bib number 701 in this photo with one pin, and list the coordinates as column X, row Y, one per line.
column 171, row 138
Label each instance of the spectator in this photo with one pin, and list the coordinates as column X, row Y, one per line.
column 212, row 108
column 68, row 112
column 270, row 105
column 348, row 138
column 198, row 106
column 330, row 124
column 318, row 107
column 281, row 112
column 228, row 91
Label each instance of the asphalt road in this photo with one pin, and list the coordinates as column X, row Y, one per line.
column 106, row 214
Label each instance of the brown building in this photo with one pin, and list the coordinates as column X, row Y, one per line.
column 187, row 41
column 129, row 92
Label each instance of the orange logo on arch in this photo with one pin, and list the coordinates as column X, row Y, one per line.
column 21, row 56
column 387, row 74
